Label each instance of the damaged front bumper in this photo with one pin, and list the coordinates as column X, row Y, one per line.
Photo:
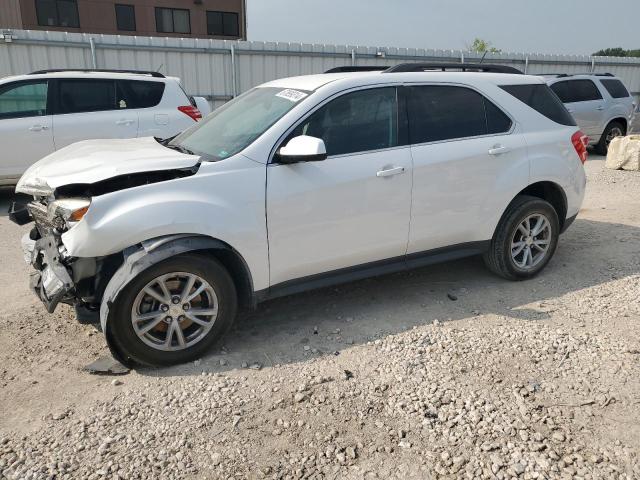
column 50, row 280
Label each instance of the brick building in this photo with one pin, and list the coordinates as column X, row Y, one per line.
column 224, row 19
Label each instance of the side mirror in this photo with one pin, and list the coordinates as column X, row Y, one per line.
column 302, row 149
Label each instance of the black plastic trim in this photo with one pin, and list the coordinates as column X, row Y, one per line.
column 289, row 159
column 567, row 223
column 444, row 67
column 357, row 68
column 19, row 214
column 373, row 269
column 98, row 70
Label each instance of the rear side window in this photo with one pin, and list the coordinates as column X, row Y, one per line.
column 573, row 91
column 23, row 100
column 615, row 88
column 542, row 100
column 355, row 122
column 439, row 113
column 138, row 93
column 86, row 95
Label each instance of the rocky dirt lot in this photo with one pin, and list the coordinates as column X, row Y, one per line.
column 444, row 372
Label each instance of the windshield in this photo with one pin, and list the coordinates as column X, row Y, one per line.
column 235, row 125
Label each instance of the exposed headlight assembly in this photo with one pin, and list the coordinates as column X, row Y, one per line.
column 71, row 210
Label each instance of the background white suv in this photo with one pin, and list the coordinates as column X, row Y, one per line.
column 296, row 184
column 47, row 110
column 600, row 103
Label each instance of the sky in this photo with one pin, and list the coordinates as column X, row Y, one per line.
column 530, row 26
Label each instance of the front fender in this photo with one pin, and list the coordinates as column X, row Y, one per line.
column 224, row 200
column 139, row 258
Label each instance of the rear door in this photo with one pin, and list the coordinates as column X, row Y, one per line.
column 467, row 156
column 145, row 98
column 584, row 101
column 90, row 109
column 25, row 126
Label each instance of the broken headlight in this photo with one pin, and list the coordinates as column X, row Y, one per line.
column 71, row 210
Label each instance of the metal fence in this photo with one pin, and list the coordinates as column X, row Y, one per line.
column 220, row 69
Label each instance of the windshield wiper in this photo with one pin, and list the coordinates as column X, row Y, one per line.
column 180, row 149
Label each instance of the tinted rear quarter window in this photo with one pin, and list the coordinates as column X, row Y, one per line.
column 90, row 95
column 542, row 100
column 138, row 93
column 615, row 88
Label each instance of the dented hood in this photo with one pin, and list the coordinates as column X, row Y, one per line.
column 91, row 161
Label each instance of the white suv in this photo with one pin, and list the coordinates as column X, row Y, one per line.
column 300, row 183
column 50, row 109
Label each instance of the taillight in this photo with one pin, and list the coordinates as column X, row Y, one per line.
column 192, row 111
column 580, row 142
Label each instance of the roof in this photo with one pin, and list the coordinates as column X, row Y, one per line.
column 313, row 82
column 86, row 74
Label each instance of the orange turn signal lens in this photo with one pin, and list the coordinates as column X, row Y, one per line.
column 78, row 214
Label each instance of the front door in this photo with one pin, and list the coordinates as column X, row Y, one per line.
column 25, row 126
column 352, row 208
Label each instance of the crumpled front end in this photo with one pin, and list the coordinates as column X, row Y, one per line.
column 58, row 277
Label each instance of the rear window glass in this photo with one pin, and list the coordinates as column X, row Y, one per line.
column 542, row 100
column 615, row 88
column 138, row 93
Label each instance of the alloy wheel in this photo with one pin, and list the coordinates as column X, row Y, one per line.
column 174, row 311
column 613, row 133
column 530, row 242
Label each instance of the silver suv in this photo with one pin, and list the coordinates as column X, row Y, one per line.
column 599, row 102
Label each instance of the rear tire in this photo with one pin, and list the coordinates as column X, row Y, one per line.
column 195, row 301
column 614, row 129
column 518, row 254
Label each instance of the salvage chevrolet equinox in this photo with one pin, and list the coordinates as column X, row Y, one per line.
column 296, row 184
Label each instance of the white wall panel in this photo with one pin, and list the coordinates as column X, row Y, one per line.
column 205, row 66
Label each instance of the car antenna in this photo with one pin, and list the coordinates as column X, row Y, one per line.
column 158, row 69
column 483, row 55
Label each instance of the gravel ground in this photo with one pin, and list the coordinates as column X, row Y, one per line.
column 383, row 378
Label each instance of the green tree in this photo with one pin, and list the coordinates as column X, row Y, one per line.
column 617, row 52
column 480, row 45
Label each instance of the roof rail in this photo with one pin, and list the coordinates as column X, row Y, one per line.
column 564, row 75
column 99, row 70
column 464, row 67
column 357, row 68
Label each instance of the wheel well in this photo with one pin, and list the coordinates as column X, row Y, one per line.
column 552, row 193
column 239, row 271
column 621, row 120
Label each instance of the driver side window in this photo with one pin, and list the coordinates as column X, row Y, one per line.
column 355, row 122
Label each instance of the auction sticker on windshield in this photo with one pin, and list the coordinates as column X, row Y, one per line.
column 292, row 95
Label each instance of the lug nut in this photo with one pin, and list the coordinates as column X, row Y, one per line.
column 186, row 306
column 164, row 308
column 168, row 319
column 175, row 300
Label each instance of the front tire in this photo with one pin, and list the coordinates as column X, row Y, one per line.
column 525, row 239
column 173, row 312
